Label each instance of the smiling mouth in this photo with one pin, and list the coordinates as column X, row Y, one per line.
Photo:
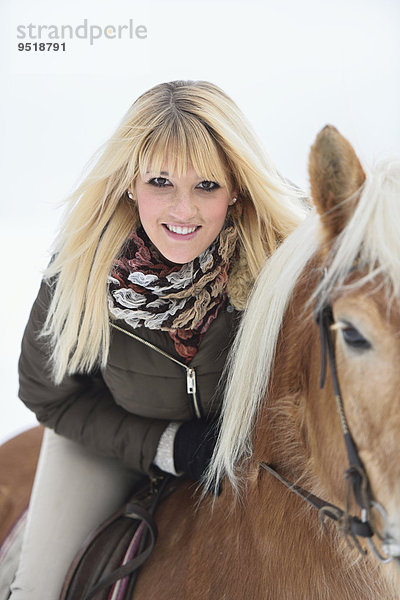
column 181, row 230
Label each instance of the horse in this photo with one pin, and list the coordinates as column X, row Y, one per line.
column 18, row 461
column 306, row 468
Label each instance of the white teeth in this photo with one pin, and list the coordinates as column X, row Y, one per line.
column 181, row 230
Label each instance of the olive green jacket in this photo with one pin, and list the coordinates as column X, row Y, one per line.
column 122, row 410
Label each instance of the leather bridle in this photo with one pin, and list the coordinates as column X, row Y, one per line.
column 351, row 526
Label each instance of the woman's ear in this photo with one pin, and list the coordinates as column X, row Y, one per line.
column 131, row 191
column 235, row 207
column 233, row 198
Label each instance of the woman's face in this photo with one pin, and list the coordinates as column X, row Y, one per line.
column 181, row 215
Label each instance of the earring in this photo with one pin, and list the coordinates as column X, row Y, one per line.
column 234, row 200
column 130, row 195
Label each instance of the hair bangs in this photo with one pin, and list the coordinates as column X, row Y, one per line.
column 179, row 142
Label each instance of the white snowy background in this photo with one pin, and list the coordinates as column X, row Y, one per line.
column 291, row 65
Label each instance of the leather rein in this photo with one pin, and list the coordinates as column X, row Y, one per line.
column 356, row 479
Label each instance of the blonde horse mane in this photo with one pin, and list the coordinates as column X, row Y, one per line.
column 371, row 237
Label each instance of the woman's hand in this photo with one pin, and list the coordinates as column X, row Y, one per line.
column 193, row 447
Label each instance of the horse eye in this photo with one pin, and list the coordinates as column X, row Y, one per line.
column 355, row 339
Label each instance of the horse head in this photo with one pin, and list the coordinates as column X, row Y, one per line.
column 360, row 257
column 342, row 261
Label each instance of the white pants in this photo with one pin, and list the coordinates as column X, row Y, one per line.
column 74, row 491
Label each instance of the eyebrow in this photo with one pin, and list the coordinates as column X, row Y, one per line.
column 161, row 172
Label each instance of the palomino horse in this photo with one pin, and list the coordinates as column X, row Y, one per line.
column 259, row 539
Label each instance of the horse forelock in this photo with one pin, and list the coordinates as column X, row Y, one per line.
column 370, row 239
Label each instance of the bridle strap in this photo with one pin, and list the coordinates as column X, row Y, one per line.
column 355, row 474
column 324, row 320
column 351, row 525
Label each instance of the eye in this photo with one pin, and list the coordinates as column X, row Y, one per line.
column 354, row 338
column 159, row 181
column 208, row 186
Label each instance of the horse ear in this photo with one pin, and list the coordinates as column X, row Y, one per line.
column 335, row 175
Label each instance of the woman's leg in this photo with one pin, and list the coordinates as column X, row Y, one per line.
column 75, row 490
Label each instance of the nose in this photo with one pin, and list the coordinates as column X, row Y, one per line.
column 184, row 206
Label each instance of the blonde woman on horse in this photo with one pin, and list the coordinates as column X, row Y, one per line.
column 127, row 340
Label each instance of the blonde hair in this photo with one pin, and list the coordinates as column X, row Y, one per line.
column 251, row 357
column 183, row 122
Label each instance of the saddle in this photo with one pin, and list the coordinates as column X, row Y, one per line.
column 107, row 565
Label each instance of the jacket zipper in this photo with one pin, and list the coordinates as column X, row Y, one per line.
column 190, row 372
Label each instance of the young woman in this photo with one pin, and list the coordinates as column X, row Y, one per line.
column 126, row 342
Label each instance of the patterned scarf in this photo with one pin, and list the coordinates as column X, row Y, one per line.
column 182, row 299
